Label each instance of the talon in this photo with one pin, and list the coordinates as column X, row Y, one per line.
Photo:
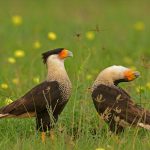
column 43, row 136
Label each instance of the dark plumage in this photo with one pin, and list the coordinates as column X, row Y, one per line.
column 40, row 103
column 51, row 52
column 114, row 105
column 47, row 100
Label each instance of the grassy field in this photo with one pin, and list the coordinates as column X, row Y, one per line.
column 100, row 34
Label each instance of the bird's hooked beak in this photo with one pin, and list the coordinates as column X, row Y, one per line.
column 137, row 74
column 70, row 54
column 65, row 53
column 131, row 75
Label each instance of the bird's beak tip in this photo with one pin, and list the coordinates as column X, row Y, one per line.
column 70, row 54
column 137, row 74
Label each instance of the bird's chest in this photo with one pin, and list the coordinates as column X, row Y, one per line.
column 65, row 90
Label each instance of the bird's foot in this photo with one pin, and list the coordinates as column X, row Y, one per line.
column 43, row 136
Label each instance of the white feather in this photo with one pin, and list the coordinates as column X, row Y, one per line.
column 117, row 68
column 3, row 115
column 145, row 126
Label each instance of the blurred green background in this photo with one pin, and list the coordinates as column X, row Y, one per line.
column 100, row 34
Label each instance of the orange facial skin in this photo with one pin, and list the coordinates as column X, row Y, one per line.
column 65, row 53
column 131, row 75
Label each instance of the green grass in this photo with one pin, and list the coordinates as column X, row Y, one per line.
column 118, row 43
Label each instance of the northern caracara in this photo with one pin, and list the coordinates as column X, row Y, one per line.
column 113, row 104
column 46, row 100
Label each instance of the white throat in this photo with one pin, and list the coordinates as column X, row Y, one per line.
column 56, row 68
column 55, row 60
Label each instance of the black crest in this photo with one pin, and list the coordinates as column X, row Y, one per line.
column 50, row 52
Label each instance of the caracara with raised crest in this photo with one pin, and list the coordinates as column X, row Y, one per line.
column 114, row 105
column 46, row 100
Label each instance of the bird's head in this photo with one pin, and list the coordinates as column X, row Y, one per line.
column 57, row 55
column 116, row 74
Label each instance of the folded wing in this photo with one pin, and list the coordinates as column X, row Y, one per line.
column 117, row 108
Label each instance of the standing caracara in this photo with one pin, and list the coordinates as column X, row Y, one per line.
column 47, row 100
column 113, row 104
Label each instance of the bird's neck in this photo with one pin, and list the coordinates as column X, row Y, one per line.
column 56, row 72
column 103, row 79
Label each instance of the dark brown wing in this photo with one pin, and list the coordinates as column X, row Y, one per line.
column 43, row 101
column 37, row 99
column 115, row 105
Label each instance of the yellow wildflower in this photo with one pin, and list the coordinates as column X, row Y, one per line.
column 139, row 26
column 15, row 81
column 4, row 86
column 36, row 80
column 52, row 36
column 148, row 85
column 36, row 44
column 140, row 89
column 99, row 149
column 8, row 101
column 89, row 77
column 90, row 35
column 11, row 60
column 17, row 20
column 19, row 53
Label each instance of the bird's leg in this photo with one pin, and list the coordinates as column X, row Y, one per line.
column 43, row 136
